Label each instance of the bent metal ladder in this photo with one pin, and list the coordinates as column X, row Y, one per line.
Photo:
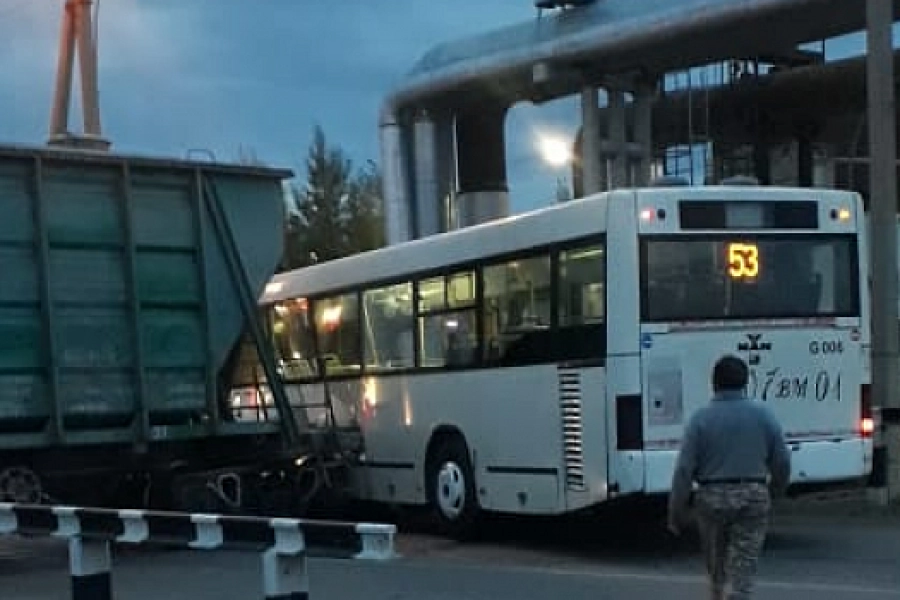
column 283, row 543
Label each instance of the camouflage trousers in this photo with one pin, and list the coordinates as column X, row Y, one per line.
column 733, row 520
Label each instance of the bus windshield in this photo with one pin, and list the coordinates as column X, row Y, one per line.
column 715, row 277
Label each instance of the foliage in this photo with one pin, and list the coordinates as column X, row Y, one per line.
column 338, row 211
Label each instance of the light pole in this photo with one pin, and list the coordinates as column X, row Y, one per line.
column 883, row 216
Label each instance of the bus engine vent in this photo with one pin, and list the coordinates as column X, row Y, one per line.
column 570, row 409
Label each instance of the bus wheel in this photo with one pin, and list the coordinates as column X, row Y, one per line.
column 451, row 485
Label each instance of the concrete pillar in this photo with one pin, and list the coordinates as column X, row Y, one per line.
column 425, row 168
column 882, row 119
column 591, row 164
column 617, row 139
column 643, row 132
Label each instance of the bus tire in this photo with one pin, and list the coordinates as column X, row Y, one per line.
column 451, row 488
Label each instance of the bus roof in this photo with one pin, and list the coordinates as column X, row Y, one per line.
column 573, row 219
column 570, row 220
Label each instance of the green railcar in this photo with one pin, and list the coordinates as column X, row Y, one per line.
column 124, row 290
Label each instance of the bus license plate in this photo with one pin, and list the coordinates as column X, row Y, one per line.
column 777, row 384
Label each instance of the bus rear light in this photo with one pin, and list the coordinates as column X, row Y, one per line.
column 867, row 427
column 646, row 215
column 841, row 214
column 866, row 419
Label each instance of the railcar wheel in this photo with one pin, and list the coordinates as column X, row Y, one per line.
column 20, row 485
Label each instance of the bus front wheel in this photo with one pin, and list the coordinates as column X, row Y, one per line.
column 451, row 485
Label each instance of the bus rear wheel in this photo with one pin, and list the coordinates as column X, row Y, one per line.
column 451, row 488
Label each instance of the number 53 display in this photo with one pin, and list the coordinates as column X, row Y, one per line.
column 743, row 261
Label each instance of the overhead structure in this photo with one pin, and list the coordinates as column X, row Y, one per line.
column 78, row 34
column 443, row 128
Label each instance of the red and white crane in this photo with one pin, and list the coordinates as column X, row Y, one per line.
column 78, row 33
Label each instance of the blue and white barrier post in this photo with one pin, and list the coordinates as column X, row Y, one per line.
column 91, row 569
column 284, row 544
column 284, row 564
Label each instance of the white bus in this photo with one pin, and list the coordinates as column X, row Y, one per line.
column 548, row 362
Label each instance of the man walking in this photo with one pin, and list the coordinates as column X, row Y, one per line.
column 734, row 449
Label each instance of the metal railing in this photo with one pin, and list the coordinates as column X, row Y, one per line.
column 284, row 544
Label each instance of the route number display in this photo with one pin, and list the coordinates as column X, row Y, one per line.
column 743, row 261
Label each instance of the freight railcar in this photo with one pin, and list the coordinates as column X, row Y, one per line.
column 125, row 286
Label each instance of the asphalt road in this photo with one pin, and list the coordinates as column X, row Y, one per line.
column 821, row 558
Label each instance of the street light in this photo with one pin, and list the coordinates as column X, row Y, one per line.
column 555, row 150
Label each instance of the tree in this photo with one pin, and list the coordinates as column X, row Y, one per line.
column 337, row 212
column 365, row 211
column 321, row 204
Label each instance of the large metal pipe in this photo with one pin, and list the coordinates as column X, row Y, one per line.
column 474, row 208
column 427, row 197
column 395, row 184
column 481, row 148
column 627, row 30
column 591, row 165
column 445, row 158
column 481, row 164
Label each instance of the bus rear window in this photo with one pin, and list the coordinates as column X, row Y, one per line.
column 695, row 278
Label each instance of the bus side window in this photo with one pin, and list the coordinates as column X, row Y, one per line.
column 460, row 352
column 338, row 333
column 294, row 342
column 388, row 325
column 516, row 313
column 447, row 321
column 582, row 303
